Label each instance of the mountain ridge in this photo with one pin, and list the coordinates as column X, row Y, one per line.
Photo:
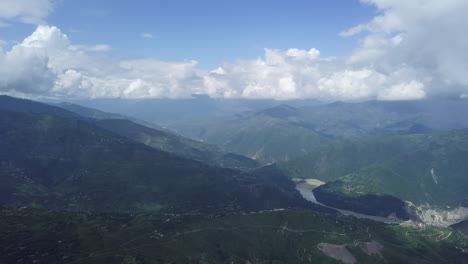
column 63, row 162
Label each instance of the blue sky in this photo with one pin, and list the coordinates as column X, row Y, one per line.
column 321, row 49
column 208, row 31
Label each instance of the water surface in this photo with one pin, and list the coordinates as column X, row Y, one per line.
column 306, row 187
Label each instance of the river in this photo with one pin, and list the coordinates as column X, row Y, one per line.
column 306, row 186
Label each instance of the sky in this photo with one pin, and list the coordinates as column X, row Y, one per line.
column 322, row 49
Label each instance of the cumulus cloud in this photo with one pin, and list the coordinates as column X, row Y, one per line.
column 278, row 75
column 410, row 50
column 297, row 73
column 47, row 63
column 404, row 91
column 418, row 43
column 25, row 11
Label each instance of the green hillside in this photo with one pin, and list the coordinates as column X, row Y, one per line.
column 347, row 119
column 346, row 156
column 263, row 136
column 159, row 138
column 433, row 172
column 65, row 163
column 35, row 236
column 97, row 114
column 283, row 132
column 423, row 169
column 178, row 145
column 8, row 103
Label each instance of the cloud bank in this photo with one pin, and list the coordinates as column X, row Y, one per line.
column 25, row 11
column 410, row 50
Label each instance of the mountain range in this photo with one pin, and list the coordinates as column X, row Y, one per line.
column 55, row 159
column 162, row 139
column 81, row 185
column 285, row 132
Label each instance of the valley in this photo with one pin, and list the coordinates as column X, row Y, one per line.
column 96, row 187
column 233, row 132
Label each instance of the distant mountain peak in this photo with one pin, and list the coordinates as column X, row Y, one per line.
column 280, row 111
column 336, row 103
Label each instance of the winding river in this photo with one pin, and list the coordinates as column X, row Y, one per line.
column 306, row 186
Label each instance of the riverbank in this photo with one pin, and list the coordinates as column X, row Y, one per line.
column 306, row 187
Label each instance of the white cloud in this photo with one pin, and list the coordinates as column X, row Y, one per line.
column 351, row 84
column 97, row 48
column 46, row 38
column 298, row 73
column 279, row 75
column 409, row 50
column 426, row 38
column 164, row 79
column 49, row 64
column 46, row 63
column 353, row 31
column 219, row 71
column 25, row 11
column 147, row 35
column 26, row 70
column 100, row 47
column 405, row 91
